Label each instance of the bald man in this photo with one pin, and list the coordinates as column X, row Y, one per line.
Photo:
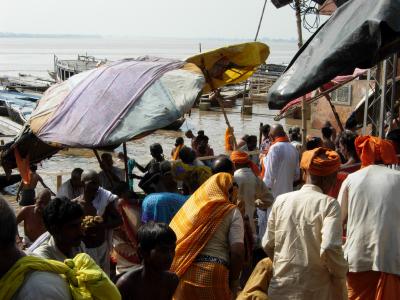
column 222, row 164
column 32, row 217
column 97, row 201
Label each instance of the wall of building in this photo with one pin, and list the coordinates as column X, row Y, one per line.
column 322, row 112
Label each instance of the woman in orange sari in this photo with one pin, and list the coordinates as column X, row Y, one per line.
column 210, row 248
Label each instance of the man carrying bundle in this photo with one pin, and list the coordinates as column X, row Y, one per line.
column 304, row 235
column 369, row 199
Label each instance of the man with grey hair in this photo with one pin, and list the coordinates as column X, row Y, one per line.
column 72, row 188
column 36, row 284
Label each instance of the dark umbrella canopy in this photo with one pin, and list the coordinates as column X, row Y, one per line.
column 359, row 34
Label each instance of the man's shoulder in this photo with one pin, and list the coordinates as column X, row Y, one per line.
column 43, row 285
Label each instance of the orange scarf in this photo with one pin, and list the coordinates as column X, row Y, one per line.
column 199, row 218
column 23, row 166
column 372, row 149
column 228, row 139
column 240, row 157
column 175, row 156
column 320, row 161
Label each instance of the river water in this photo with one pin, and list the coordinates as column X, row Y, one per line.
column 35, row 56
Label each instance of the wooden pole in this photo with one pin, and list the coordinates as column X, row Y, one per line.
column 259, row 23
column 303, row 99
column 58, row 183
column 218, row 97
column 126, row 161
column 260, row 135
column 328, row 97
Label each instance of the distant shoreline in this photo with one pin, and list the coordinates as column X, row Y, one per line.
column 95, row 36
column 39, row 35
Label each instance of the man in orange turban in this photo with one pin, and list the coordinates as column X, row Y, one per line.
column 372, row 149
column 252, row 193
column 304, row 235
column 369, row 200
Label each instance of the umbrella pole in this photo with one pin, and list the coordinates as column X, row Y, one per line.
column 106, row 172
column 303, row 99
column 328, row 97
column 221, row 104
column 126, row 162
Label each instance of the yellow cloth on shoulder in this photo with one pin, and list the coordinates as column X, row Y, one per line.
column 198, row 219
column 85, row 279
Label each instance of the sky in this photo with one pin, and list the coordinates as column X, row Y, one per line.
column 218, row 19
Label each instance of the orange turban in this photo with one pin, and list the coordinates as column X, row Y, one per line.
column 372, row 149
column 320, row 161
column 239, row 157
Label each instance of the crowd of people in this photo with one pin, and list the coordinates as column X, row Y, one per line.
column 268, row 220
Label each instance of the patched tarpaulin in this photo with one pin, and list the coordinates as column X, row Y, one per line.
column 358, row 35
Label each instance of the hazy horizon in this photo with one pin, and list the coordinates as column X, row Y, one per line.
column 187, row 19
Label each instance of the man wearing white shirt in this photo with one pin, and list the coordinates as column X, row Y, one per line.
column 281, row 167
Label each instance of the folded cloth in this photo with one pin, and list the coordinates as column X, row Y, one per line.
column 372, row 149
column 86, row 280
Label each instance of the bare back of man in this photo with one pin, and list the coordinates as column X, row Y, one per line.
column 33, row 222
column 136, row 285
column 96, row 235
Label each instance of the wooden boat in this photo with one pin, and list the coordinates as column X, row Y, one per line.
column 25, row 82
column 65, row 68
column 16, row 105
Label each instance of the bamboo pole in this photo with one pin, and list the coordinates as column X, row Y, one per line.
column 336, row 115
column 303, row 99
column 125, row 161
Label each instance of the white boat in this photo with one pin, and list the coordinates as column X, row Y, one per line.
column 65, row 68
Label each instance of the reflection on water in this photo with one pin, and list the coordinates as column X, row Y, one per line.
column 212, row 122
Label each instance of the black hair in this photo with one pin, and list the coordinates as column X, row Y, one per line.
column 152, row 234
column 252, row 138
column 265, row 129
column 222, row 164
column 394, row 136
column 326, row 132
column 156, row 148
column 8, row 225
column 313, row 143
column 200, row 132
column 187, row 155
column 120, row 189
column 33, row 167
column 60, row 211
column 179, row 141
column 347, row 139
column 351, row 122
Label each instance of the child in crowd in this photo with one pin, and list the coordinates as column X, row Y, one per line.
column 152, row 280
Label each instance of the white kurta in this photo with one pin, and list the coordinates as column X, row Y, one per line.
column 370, row 200
column 252, row 193
column 281, row 168
column 304, row 240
